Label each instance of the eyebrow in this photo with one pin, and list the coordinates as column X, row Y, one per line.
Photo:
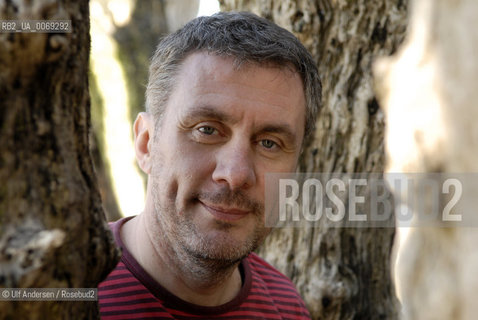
column 283, row 129
column 210, row 113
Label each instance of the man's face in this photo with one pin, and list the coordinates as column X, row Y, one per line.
column 223, row 128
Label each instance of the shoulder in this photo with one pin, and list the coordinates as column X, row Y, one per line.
column 263, row 268
column 267, row 280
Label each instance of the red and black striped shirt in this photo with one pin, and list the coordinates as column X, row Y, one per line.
column 129, row 292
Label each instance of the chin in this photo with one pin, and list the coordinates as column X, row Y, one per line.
column 222, row 246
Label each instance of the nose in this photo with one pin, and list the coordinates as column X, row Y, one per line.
column 235, row 165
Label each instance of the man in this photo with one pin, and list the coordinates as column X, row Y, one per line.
column 230, row 98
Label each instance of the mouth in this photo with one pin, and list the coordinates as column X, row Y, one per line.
column 224, row 213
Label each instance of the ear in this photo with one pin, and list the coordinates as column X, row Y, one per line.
column 143, row 134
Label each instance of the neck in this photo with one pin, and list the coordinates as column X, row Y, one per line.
column 193, row 279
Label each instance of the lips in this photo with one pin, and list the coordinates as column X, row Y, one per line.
column 225, row 214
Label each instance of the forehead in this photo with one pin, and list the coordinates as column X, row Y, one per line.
column 202, row 71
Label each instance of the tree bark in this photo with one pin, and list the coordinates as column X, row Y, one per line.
column 429, row 93
column 342, row 273
column 52, row 227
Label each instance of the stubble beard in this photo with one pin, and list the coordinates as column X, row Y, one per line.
column 205, row 256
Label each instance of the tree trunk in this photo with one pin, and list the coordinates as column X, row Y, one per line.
column 52, row 227
column 429, row 93
column 342, row 273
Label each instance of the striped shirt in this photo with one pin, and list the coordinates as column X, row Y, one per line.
column 129, row 292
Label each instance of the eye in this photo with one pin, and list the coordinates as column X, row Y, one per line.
column 268, row 144
column 207, row 130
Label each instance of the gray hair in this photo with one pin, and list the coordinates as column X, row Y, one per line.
column 241, row 35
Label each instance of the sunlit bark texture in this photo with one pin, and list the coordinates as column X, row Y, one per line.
column 429, row 92
column 52, row 227
column 342, row 273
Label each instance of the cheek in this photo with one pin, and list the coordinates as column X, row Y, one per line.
column 193, row 159
column 286, row 165
column 163, row 177
column 182, row 175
